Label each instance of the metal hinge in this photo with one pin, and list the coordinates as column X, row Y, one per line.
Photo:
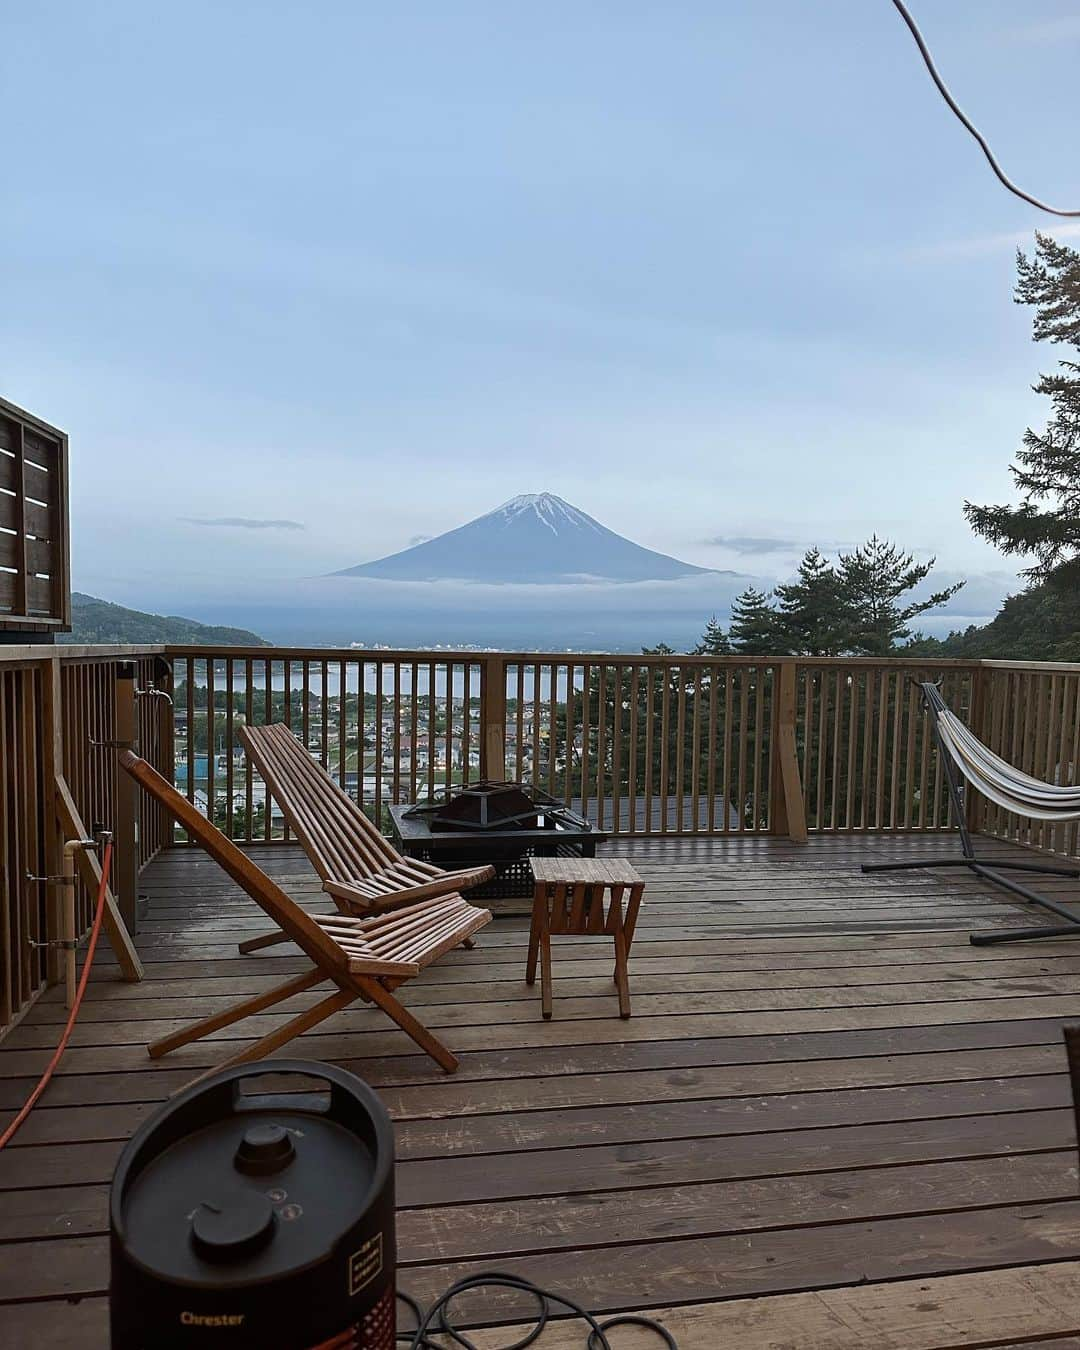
column 51, row 880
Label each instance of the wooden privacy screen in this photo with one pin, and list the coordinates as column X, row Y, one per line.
column 35, row 587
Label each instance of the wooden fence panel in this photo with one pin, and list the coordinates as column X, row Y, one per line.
column 53, row 707
column 866, row 751
column 389, row 729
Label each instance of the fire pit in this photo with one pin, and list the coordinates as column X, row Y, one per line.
column 500, row 823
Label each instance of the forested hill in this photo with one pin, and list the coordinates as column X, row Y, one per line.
column 1040, row 624
column 96, row 620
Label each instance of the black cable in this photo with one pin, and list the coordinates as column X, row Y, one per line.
column 965, row 121
column 436, row 1321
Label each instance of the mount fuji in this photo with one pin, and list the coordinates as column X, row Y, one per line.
column 535, row 538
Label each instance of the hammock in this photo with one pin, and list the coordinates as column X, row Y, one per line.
column 999, row 782
column 996, row 779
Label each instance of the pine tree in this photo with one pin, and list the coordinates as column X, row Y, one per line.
column 755, row 626
column 1046, row 525
column 876, row 578
column 714, row 641
column 816, row 616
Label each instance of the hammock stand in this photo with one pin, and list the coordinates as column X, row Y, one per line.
column 953, row 765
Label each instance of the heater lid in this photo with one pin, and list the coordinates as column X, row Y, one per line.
column 201, row 1212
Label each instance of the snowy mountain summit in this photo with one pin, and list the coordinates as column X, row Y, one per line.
column 536, row 537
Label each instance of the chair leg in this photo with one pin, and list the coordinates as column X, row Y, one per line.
column 468, row 944
column 408, row 1023
column 197, row 1030
column 266, row 1045
column 267, row 940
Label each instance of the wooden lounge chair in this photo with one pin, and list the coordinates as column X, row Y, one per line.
column 366, row 958
column 359, row 868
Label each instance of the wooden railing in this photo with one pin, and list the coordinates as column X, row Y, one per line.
column 644, row 745
column 61, row 711
column 1029, row 714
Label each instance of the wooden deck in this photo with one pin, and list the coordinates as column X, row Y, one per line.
column 830, row 1123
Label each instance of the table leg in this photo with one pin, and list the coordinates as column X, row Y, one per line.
column 622, row 975
column 539, row 898
column 545, row 973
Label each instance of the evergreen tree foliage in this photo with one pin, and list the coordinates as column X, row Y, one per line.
column 755, row 626
column 1039, row 624
column 875, row 580
column 1046, row 525
column 714, row 641
column 816, row 616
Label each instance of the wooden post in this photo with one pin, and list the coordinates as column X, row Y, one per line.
column 89, row 869
column 125, row 837
column 788, row 807
column 52, row 739
column 67, row 927
column 493, row 718
column 973, row 800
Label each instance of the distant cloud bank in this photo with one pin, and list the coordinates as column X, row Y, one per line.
column 750, row 543
column 244, row 523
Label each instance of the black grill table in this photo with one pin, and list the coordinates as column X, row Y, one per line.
column 507, row 850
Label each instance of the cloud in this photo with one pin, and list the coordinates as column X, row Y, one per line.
column 760, row 544
column 978, row 245
column 1063, row 29
column 751, row 543
column 244, row 523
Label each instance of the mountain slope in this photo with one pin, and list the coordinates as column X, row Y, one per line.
column 96, row 620
column 532, row 538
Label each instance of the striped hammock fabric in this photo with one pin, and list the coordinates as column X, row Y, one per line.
column 995, row 778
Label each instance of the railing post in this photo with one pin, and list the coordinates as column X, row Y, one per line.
column 787, row 807
column 52, row 740
column 165, row 727
column 125, row 839
column 493, row 718
column 973, row 801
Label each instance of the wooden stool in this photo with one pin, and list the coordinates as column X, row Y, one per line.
column 569, row 897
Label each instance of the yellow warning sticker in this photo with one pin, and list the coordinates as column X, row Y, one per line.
column 365, row 1264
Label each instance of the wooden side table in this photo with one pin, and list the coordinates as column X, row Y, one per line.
column 586, row 896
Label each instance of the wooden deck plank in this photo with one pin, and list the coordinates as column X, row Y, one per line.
column 831, row 1121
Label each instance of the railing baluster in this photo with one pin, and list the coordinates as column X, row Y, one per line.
column 380, row 805
column 229, row 743
column 743, row 733
column 665, row 736
column 249, row 718
column 679, row 675
column 762, row 674
column 324, row 714
column 211, row 745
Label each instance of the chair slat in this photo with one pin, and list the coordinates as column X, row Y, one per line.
column 359, row 869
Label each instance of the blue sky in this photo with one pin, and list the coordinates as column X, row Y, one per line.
column 717, row 273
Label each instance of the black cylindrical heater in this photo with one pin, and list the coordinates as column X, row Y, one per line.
column 244, row 1221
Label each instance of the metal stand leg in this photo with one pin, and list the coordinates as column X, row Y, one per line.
column 989, row 871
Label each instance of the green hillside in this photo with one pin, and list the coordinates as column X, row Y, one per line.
column 1039, row 624
column 96, row 620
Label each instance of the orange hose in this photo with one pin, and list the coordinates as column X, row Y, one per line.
column 43, row 1082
